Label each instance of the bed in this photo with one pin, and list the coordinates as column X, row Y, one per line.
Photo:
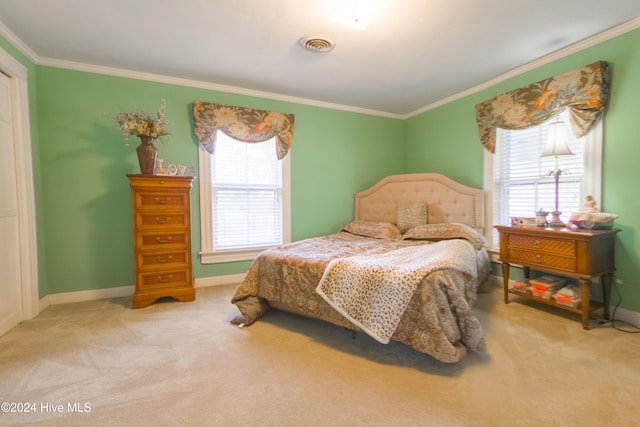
column 407, row 268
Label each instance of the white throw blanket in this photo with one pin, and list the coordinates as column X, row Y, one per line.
column 374, row 291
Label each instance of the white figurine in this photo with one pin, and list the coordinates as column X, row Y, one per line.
column 589, row 204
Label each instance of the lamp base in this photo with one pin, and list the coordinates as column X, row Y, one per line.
column 555, row 220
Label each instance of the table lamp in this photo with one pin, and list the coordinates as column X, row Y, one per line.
column 556, row 146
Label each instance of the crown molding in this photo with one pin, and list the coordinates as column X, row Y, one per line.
column 97, row 69
column 554, row 56
column 177, row 81
column 17, row 43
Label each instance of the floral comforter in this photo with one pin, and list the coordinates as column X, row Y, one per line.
column 438, row 319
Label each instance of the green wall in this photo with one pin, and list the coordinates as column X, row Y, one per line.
column 80, row 161
column 446, row 140
column 85, row 200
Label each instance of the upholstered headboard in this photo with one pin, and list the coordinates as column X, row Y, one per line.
column 448, row 200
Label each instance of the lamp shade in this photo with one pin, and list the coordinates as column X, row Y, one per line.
column 556, row 142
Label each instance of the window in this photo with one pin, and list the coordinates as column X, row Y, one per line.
column 519, row 181
column 244, row 193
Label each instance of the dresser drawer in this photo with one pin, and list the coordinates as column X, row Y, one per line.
column 161, row 219
column 163, row 279
column 162, row 240
column 160, row 200
column 542, row 259
column 543, row 244
column 163, row 260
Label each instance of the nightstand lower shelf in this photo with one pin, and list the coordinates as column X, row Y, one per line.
column 593, row 305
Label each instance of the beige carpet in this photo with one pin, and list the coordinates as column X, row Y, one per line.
column 179, row 364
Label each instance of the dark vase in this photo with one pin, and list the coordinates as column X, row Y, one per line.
column 147, row 154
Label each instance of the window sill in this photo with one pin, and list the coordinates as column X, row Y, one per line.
column 230, row 256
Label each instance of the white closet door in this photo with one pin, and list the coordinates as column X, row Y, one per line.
column 10, row 281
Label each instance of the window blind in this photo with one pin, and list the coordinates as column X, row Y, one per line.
column 247, row 194
column 522, row 180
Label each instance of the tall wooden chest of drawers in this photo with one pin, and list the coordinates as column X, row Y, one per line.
column 161, row 238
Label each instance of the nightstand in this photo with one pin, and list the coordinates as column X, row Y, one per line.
column 579, row 254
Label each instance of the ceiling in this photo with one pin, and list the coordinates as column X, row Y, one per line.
column 413, row 55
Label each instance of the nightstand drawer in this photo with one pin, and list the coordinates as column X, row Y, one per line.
column 541, row 259
column 554, row 246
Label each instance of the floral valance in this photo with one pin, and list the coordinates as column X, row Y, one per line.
column 243, row 124
column 584, row 91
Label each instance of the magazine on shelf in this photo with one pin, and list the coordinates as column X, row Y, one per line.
column 546, row 283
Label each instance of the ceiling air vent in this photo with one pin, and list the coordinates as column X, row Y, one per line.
column 317, row 43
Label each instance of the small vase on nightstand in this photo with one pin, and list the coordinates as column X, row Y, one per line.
column 541, row 218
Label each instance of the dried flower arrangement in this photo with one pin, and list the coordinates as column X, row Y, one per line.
column 139, row 123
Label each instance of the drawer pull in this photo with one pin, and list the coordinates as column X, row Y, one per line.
column 538, row 258
column 166, row 239
column 165, row 278
column 163, row 219
column 536, row 244
column 162, row 200
column 162, row 259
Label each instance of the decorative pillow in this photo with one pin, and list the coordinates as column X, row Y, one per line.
column 379, row 230
column 446, row 231
column 410, row 216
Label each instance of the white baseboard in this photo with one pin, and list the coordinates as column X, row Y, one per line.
column 622, row 314
column 43, row 303
column 230, row 279
column 88, row 295
column 124, row 291
column 632, row 317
